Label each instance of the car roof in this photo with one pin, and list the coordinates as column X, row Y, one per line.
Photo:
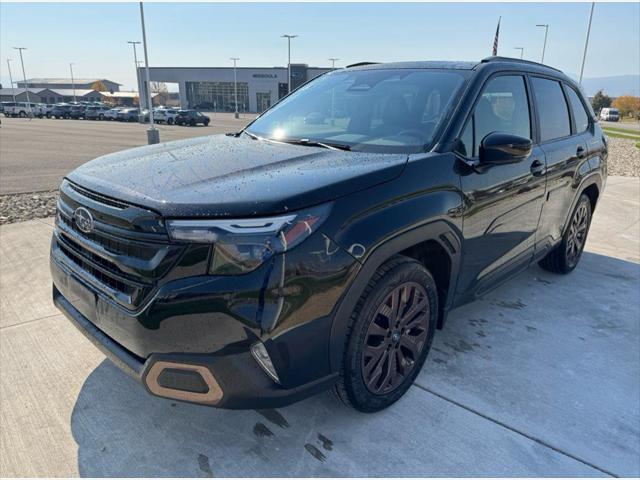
column 493, row 62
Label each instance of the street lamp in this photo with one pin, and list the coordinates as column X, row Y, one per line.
column 13, row 92
column 521, row 51
column 135, row 60
column 289, row 37
column 24, row 76
column 73, row 83
column 546, row 32
column 333, row 62
column 586, row 42
column 153, row 135
column 235, row 85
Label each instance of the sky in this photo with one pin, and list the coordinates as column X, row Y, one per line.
column 94, row 36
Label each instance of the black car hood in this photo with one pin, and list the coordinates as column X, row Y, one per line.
column 228, row 176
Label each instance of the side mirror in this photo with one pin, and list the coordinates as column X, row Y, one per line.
column 499, row 147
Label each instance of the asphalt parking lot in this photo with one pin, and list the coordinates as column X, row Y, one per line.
column 540, row 377
column 36, row 153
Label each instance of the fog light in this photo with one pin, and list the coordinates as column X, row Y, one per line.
column 262, row 357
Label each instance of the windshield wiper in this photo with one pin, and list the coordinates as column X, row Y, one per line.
column 313, row 143
column 253, row 136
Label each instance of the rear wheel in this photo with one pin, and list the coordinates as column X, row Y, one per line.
column 565, row 257
column 169, row 121
column 22, row 114
column 390, row 336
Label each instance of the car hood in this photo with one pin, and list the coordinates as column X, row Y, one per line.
column 233, row 176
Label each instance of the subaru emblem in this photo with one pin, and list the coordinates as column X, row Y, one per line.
column 83, row 219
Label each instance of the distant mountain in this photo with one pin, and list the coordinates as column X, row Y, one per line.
column 613, row 86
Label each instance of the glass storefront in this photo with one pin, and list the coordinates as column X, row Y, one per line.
column 217, row 96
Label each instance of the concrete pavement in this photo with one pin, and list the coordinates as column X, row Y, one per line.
column 541, row 377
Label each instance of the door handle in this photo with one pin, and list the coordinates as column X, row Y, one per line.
column 537, row 168
column 581, row 152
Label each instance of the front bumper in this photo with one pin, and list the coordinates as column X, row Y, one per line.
column 233, row 380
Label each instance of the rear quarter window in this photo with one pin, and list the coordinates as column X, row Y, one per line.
column 579, row 113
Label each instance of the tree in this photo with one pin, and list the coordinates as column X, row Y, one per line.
column 161, row 89
column 628, row 105
column 98, row 86
column 600, row 101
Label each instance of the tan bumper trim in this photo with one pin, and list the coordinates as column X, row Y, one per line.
column 211, row 397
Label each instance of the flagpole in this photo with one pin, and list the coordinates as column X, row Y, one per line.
column 495, row 40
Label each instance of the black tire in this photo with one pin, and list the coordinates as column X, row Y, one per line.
column 566, row 255
column 169, row 121
column 101, row 117
column 48, row 115
column 22, row 114
column 366, row 391
column 192, row 123
column 206, row 123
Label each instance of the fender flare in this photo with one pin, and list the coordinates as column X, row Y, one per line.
column 440, row 231
column 592, row 178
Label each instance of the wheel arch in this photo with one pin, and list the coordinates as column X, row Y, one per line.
column 592, row 186
column 436, row 245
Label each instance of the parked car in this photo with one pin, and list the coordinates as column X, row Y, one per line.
column 48, row 109
column 254, row 269
column 61, row 110
column 78, row 111
column 610, row 114
column 112, row 113
column 127, row 115
column 191, row 117
column 24, row 109
column 95, row 112
column 6, row 108
column 165, row 115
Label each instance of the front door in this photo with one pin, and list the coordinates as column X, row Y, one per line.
column 503, row 202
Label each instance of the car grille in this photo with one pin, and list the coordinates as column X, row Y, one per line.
column 126, row 253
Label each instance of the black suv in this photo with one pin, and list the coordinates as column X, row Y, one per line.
column 324, row 244
column 191, row 117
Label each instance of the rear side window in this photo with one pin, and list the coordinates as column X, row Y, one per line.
column 503, row 107
column 579, row 113
column 552, row 109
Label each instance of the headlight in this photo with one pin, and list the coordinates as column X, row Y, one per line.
column 240, row 246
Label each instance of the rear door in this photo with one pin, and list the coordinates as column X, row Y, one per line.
column 566, row 152
column 503, row 201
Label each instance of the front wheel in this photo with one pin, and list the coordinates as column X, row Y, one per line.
column 391, row 331
column 565, row 257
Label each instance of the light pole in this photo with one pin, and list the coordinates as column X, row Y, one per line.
column 73, row 83
column 586, row 42
column 521, row 51
column 546, row 32
column 333, row 62
column 289, row 37
column 235, row 85
column 135, row 60
column 13, row 92
column 153, row 135
column 24, row 76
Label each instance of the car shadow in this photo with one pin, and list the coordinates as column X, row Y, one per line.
column 121, row 430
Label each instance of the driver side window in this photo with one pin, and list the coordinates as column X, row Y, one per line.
column 503, row 107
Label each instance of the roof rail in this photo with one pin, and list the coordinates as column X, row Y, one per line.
column 361, row 64
column 516, row 60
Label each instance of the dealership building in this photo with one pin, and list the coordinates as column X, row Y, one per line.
column 212, row 89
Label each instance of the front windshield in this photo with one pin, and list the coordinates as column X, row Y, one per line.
column 386, row 110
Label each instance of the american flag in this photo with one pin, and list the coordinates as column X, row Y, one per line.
column 495, row 40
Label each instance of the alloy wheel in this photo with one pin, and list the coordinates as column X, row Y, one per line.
column 577, row 234
column 395, row 338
